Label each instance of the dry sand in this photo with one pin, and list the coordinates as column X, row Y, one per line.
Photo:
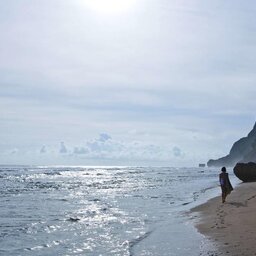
column 231, row 226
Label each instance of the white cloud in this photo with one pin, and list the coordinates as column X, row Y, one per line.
column 43, row 149
column 80, row 150
column 14, row 151
column 104, row 137
column 120, row 150
column 63, row 149
column 177, row 152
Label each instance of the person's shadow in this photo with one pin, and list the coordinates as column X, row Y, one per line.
column 236, row 204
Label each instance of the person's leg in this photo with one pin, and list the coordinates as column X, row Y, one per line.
column 223, row 197
column 224, row 194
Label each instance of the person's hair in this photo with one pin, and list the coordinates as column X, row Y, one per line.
column 223, row 169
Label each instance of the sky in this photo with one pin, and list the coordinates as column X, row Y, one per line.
column 125, row 82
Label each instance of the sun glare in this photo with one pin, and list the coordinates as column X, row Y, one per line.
column 110, row 6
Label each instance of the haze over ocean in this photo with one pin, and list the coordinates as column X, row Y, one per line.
column 135, row 83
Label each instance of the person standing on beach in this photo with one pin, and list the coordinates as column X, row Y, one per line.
column 225, row 184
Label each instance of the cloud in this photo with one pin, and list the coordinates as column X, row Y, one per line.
column 14, row 151
column 177, row 73
column 43, row 149
column 177, row 152
column 104, row 137
column 63, row 149
column 80, row 150
column 103, row 143
column 104, row 147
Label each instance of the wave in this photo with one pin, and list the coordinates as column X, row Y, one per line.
column 136, row 241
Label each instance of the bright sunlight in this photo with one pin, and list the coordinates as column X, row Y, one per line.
column 110, row 7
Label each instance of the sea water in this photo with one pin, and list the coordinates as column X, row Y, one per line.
column 102, row 210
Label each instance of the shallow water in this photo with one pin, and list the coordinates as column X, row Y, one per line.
column 101, row 210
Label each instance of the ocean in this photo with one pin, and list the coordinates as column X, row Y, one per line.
column 62, row 210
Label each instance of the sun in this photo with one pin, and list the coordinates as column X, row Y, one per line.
column 110, row 6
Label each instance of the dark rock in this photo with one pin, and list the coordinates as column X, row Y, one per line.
column 245, row 171
column 243, row 151
column 73, row 219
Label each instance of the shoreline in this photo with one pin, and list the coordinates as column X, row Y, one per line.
column 230, row 226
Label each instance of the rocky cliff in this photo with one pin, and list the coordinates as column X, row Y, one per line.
column 243, row 151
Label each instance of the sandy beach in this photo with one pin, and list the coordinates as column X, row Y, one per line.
column 231, row 226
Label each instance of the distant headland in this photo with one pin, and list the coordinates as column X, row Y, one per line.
column 243, row 151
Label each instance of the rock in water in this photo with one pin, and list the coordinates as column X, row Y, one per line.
column 73, row 219
column 245, row 171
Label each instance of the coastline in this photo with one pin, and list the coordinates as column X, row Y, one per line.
column 230, row 227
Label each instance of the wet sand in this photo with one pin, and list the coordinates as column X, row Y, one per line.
column 231, row 227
